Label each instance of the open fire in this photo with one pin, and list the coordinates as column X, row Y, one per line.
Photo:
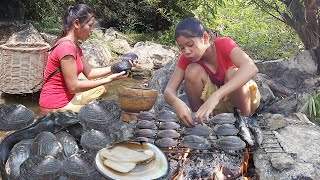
column 196, row 164
column 216, row 150
column 227, row 159
column 245, row 165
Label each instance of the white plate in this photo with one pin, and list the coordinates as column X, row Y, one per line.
column 157, row 168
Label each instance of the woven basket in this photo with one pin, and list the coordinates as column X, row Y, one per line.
column 22, row 66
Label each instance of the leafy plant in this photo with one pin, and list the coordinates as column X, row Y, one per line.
column 260, row 35
column 312, row 108
column 300, row 15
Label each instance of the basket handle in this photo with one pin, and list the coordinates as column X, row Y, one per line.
column 58, row 68
column 50, row 75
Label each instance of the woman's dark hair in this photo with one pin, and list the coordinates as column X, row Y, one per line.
column 191, row 27
column 83, row 12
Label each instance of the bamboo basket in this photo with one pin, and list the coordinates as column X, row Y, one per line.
column 21, row 67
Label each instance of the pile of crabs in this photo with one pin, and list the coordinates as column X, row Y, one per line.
column 63, row 145
column 59, row 145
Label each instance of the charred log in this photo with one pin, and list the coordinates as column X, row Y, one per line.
column 277, row 87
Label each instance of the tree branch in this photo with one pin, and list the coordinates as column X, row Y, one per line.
column 264, row 9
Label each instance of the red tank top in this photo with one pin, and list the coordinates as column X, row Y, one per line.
column 54, row 93
column 224, row 46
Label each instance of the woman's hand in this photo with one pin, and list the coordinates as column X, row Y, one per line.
column 117, row 76
column 184, row 114
column 207, row 107
column 133, row 64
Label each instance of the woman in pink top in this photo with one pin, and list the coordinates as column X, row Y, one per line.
column 61, row 89
column 216, row 72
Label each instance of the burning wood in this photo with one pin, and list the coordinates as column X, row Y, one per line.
column 180, row 174
column 244, row 167
column 201, row 164
column 223, row 173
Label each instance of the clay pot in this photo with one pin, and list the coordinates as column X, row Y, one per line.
column 135, row 99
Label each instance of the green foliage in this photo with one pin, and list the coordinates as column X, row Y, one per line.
column 145, row 16
column 312, row 108
column 140, row 37
column 43, row 10
column 260, row 35
column 49, row 25
column 175, row 10
column 47, row 15
column 94, row 35
column 207, row 10
column 302, row 16
column 126, row 15
column 165, row 38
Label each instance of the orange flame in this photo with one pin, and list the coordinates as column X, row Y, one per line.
column 218, row 174
column 244, row 167
column 180, row 175
column 186, row 153
column 221, row 172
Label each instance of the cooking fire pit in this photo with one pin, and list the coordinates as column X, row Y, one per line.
column 211, row 151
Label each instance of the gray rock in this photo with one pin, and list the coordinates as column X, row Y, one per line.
column 282, row 162
column 300, row 156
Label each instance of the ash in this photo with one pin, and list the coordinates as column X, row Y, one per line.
column 204, row 164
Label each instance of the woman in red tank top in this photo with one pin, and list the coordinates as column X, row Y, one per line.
column 216, row 72
column 62, row 90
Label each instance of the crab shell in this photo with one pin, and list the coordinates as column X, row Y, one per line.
column 168, row 133
column 195, row 142
column 99, row 114
column 80, row 167
column 46, row 144
column 230, row 143
column 129, row 56
column 198, row 130
column 121, row 66
column 14, row 117
column 145, row 115
column 226, row 130
column 145, row 124
column 18, row 154
column 93, row 141
column 68, row 142
column 166, row 142
column 41, row 167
